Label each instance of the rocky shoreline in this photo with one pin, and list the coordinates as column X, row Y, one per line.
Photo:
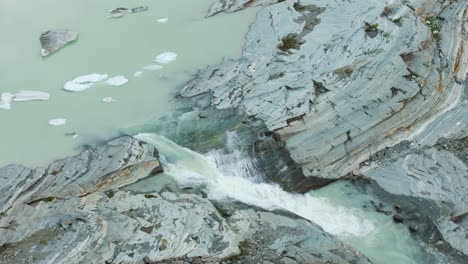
column 372, row 92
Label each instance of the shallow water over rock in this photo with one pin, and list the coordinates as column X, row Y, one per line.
column 132, row 46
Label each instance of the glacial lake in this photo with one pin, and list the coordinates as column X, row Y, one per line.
column 121, row 46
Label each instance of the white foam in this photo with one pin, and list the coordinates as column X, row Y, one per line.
column 108, row 99
column 138, row 74
column 116, row 80
column 5, row 100
column 163, row 20
column 84, row 82
column 165, row 57
column 57, row 122
column 152, row 67
column 23, row 96
column 233, row 175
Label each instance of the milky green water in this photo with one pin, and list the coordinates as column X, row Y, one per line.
column 113, row 46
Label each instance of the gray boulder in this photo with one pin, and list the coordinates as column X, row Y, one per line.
column 53, row 40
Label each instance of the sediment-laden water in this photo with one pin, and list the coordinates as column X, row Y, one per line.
column 231, row 174
column 123, row 46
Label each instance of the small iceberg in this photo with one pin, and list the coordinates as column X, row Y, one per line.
column 117, row 80
column 121, row 11
column 138, row 74
column 165, row 57
column 5, row 100
column 57, row 122
column 23, row 96
column 84, row 82
column 108, row 99
column 152, row 67
column 163, row 20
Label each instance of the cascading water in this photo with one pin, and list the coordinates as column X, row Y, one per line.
column 231, row 173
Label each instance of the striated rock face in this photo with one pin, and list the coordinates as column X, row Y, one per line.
column 337, row 81
column 136, row 228
column 53, row 40
column 118, row 163
column 74, row 212
column 438, row 174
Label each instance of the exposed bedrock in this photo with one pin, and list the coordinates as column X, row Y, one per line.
column 337, row 81
column 430, row 183
column 117, row 163
column 75, row 212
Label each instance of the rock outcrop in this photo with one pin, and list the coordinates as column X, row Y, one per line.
column 74, row 212
column 118, row 163
column 354, row 89
column 438, row 175
column 53, row 40
column 337, row 88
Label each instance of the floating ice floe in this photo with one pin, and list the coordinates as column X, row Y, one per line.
column 138, row 74
column 57, row 122
column 5, row 100
column 152, row 67
column 121, row 11
column 117, row 80
column 84, row 82
column 165, row 57
column 108, row 99
column 163, row 20
column 21, row 96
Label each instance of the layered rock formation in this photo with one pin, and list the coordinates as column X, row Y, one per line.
column 74, row 212
column 338, row 81
column 355, row 89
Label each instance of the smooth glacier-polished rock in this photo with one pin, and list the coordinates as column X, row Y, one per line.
column 338, row 81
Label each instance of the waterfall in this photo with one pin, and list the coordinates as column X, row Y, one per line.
column 231, row 173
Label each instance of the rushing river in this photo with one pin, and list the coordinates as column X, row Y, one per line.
column 337, row 208
column 120, row 46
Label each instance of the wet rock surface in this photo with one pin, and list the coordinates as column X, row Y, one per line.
column 53, row 40
column 379, row 93
column 75, row 212
column 436, row 174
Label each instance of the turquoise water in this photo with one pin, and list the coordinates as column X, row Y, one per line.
column 337, row 208
column 107, row 46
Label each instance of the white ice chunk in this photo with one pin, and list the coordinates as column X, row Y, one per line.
column 84, row 82
column 5, row 101
column 117, row 80
column 108, row 99
column 57, row 122
column 138, row 74
column 152, row 67
column 163, row 20
column 165, row 57
column 23, row 96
